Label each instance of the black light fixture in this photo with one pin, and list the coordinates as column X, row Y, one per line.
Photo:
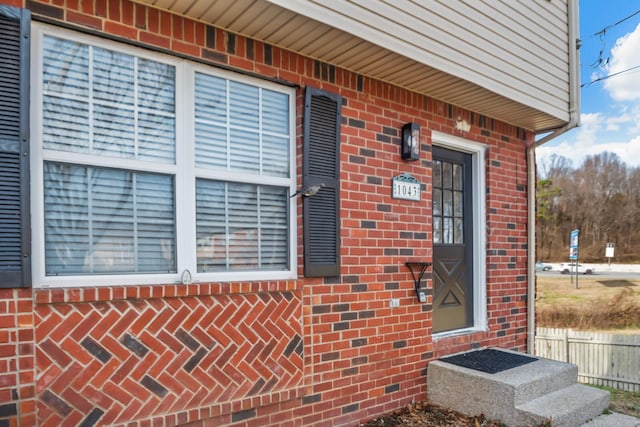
column 410, row 149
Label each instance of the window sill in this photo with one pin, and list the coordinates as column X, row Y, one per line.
column 118, row 292
column 458, row 332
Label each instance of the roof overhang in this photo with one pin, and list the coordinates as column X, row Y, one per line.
column 287, row 28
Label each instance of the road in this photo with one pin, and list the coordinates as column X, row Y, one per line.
column 632, row 275
column 604, row 271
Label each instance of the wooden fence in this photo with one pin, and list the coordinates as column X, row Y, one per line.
column 611, row 360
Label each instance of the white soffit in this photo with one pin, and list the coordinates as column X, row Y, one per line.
column 375, row 39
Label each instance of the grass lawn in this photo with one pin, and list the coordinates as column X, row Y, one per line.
column 624, row 402
column 597, row 304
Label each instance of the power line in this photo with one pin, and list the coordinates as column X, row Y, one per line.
column 599, row 79
column 608, row 27
column 600, row 62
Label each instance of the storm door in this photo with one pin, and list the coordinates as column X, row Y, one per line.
column 452, row 240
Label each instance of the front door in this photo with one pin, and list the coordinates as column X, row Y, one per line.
column 452, row 240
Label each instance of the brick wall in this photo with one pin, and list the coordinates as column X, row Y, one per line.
column 304, row 352
column 17, row 356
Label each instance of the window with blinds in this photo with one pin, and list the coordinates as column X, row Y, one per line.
column 151, row 166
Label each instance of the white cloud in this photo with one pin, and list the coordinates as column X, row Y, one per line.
column 615, row 124
column 591, row 138
column 624, row 56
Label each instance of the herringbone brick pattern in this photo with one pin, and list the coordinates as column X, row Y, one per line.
column 114, row 362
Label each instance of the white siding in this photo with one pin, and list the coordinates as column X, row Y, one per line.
column 516, row 48
column 506, row 59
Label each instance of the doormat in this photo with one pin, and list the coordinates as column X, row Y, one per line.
column 489, row 360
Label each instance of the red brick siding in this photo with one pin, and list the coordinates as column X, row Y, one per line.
column 17, row 357
column 133, row 359
column 118, row 354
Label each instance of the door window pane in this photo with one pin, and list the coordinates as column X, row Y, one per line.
column 437, row 202
column 437, row 229
column 437, row 173
column 447, row 231
column 447, row 179
column 457, row 203
column 457, row 177
column 447, row 202
column 458, row 231
column 448, row 208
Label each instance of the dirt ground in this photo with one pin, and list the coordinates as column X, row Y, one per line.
column 425, row 414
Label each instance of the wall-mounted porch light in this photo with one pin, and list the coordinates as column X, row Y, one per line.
column 410, row 149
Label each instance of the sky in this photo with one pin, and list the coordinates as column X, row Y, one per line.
column 610, row 108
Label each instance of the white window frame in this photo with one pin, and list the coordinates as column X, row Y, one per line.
column 479, row 203
column 184, row 172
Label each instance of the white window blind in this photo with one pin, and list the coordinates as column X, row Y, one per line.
column 103, row 221
column 241, row 128
column 241, row 226
column 104, row 103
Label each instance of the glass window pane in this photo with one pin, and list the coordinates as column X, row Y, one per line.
column 437, row 230
column 241, row 226
column 126, row 109
column 275, row 156
column 211, row 146
column 447, row 231
column 274, row 230
column 243, row 105
column 111, row 221
column 211, row 226
column 113, row 77
column 446, row 175
column 156, row 138
column 437, row 173
column 243, row 129
column 114, row 131
column 275, row 116
column 457, row 177
column 242, row 211
column 457, row 204
column 447, row 202
column 244, row 147
column 211, row 99
column 65, row 67
column 65, row 124
column 437, row 201
column 458, row 231
column 156, row 86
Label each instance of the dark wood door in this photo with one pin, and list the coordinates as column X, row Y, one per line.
column 452, row 240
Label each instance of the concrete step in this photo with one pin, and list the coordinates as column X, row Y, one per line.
column 569, row 407
column 613, row 420
column 510, row 396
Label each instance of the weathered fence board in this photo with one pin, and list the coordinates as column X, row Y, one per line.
column 611, row 360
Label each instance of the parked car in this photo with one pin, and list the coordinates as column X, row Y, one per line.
column 542, row 266
column 569, row 267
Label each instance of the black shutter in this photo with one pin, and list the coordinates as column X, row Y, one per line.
column 321, row 166
column 15, row 227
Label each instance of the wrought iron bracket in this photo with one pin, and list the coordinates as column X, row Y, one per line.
column 417, row 270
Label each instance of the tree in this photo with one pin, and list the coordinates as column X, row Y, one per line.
column 601, row 198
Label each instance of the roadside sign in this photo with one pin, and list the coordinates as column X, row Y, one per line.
column 573, row 245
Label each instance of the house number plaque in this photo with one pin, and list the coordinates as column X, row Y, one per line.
column 405, row 187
